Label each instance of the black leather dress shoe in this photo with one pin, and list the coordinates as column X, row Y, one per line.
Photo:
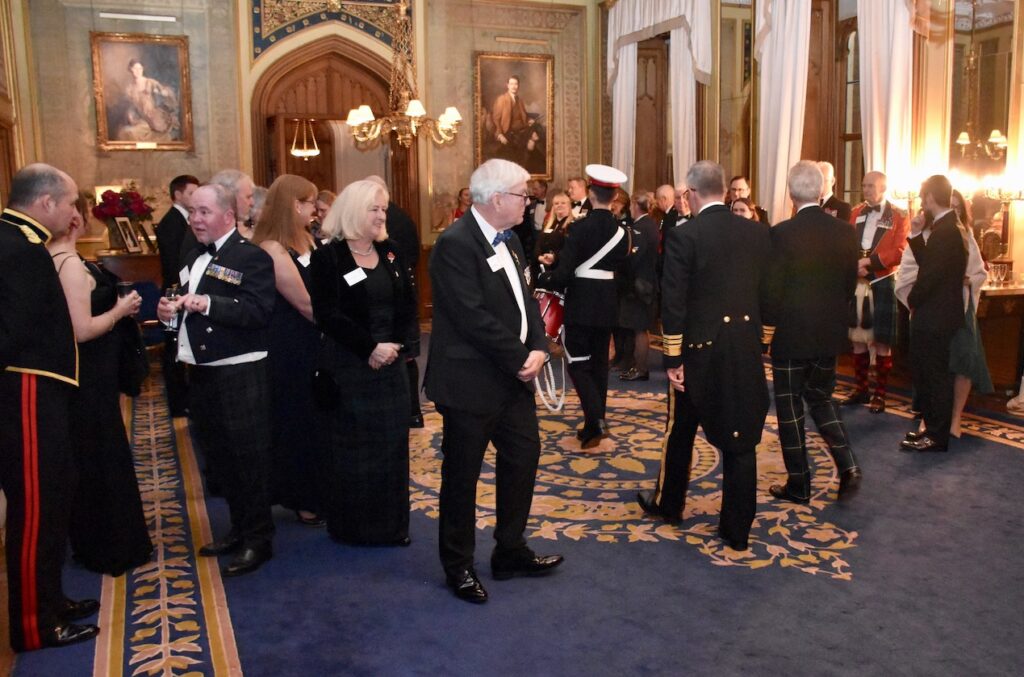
column 528, row 564
column 467, row 586
column 849, row 482
column 247, row 561
column 76, row 611
column 221, row 547
column 877, row 405
column 416, row 421
column 913, row 435
column 780, row 491
column 591, row 441
column 634, row 374
column 69, row 633
column 645, row 499
column 923, row 443
column 734, row 543
column 858, row 397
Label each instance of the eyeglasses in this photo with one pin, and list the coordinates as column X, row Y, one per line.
column 525, row 197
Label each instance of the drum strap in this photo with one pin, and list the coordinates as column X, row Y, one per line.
column 586, row 269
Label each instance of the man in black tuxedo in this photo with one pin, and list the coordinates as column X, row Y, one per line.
column 936, row 312
column 576, row 187
column 594, row 249
column 739, row 186
column 811, row 286
column 170, row 234
column 227, row 300
column 830, row 204
column 711, row 300
column 488, row 345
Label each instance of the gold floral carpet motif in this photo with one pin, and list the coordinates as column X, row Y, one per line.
column 592, row 494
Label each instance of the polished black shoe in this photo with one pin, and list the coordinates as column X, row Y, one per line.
column 525, row 564
column 314, row 521
column 923, row 443
column 634, row 374
column 76, row 611
column 467, row 586
column 877, row 405
column 645, row 499
column 222, row 547
column 416, row 421
column 734, row 543
column 591, row 441
column 849, row 482
column 913, row 435
column 858, row 397
column 69, row 633
column 247, row 561
column 780, row 491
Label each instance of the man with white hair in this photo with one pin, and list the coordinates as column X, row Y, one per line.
column 811, row 284
column 830, row 204
column 487, row 346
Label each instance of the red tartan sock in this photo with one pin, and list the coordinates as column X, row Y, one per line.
column 883, row 365
column 861, row 362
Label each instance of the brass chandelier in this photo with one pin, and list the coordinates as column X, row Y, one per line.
column 407, row 117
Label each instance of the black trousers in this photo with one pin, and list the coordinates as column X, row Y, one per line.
column 231, row 411
column 413, row 372
column 933, row 381
column 37, row 475
column 587, row 348
column 813, row 380
column 174, row 375
column 624, row 340
column 513, row 430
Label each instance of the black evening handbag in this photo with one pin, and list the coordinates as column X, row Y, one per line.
column 132, row 362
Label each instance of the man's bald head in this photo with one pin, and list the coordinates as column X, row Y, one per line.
column 664, row 196
column 874, row 187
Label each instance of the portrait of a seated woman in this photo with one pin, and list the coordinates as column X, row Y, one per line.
column 152, row 111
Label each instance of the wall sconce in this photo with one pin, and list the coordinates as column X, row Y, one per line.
column 994, row 147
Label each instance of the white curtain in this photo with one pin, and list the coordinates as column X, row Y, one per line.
column 631, row 21
column 782, row 45
column 885, row 32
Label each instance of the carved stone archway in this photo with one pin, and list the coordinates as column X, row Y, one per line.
column 322, row 81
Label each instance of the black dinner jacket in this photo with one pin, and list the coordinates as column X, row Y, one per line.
column 842, row 210
column 342, row 310
column 589, row 302
column 715, row 268
column 239, row 312
column 811, row 285
column 475, row 351
column 170, row 234
column 936, row 299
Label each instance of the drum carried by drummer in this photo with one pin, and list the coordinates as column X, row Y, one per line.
column 594, row 247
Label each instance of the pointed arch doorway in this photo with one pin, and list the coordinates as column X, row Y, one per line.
column 322, row 81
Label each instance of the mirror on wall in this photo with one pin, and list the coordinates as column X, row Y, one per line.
column 982, row 50
column 735, row 113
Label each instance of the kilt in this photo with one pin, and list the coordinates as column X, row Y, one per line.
column 882, row 300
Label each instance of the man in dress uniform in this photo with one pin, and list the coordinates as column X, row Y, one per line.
column 711, row 296
column 881, row 231
column 831, row 204
column 936, row 312
column 227, row 299
column 170, row 233
column 488, row 345
column 38, row 374
column 811, row 284
column 594, row 248
column 241, row 187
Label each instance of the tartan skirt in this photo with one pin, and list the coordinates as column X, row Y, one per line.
column 882, row 303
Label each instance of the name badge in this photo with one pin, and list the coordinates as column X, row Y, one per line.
column 495, row 263
column 224, row 274
column 183, row 276
column 862, row 218
column 354, row 277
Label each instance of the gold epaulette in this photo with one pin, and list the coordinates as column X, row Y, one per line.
column 767, row 333
column 672, row 344
column 30, row 234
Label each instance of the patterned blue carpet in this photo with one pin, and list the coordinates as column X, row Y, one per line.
column 920, row 574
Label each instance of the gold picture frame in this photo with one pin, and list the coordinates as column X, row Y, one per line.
column 128, row 234
column 498, row 116
column 142, row 91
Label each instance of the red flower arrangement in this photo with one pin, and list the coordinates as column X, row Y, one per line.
column 127, row 203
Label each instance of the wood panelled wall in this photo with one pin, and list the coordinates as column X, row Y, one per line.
column 823, row 117
column 651, row 165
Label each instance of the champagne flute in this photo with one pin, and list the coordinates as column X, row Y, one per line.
column 171, row 295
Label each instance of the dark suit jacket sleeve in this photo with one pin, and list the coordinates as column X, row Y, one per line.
column 328, row 307
column 568, row 260
column 454, row 273
column 250, row 307
column 775, row 278
column 946, row 256
column 675, row 282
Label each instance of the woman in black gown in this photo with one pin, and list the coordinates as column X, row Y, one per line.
column 362, row 299
column 552, row 236
column 283, row 232
column 108, row 531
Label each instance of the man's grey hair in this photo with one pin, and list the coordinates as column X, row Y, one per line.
column 642, row 200
column 495, row 176
column 827, row 169
column 230, row 180
column 707, row 179
column 805, row 181
column 34, row 181
column 224, row 197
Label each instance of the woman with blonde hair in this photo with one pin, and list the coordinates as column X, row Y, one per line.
column 363, row 301
column 282, row 231
column 552, row 235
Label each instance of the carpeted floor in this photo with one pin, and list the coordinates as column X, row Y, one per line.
column 920, row 574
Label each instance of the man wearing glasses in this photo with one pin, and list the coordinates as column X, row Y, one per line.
column 594, row 247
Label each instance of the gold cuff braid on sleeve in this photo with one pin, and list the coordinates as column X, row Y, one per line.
column 767, row 333
column 673, row 344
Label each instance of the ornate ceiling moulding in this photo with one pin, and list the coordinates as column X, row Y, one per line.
column 274, row 20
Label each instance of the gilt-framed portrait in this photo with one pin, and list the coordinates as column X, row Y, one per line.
column 141, row 86
column 513, row 107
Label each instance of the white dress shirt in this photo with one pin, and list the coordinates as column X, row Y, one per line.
column 504, row 256
column 871, row 225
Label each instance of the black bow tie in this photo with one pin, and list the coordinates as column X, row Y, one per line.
column 210, row 249
column 577, row 203
column 877, row 208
